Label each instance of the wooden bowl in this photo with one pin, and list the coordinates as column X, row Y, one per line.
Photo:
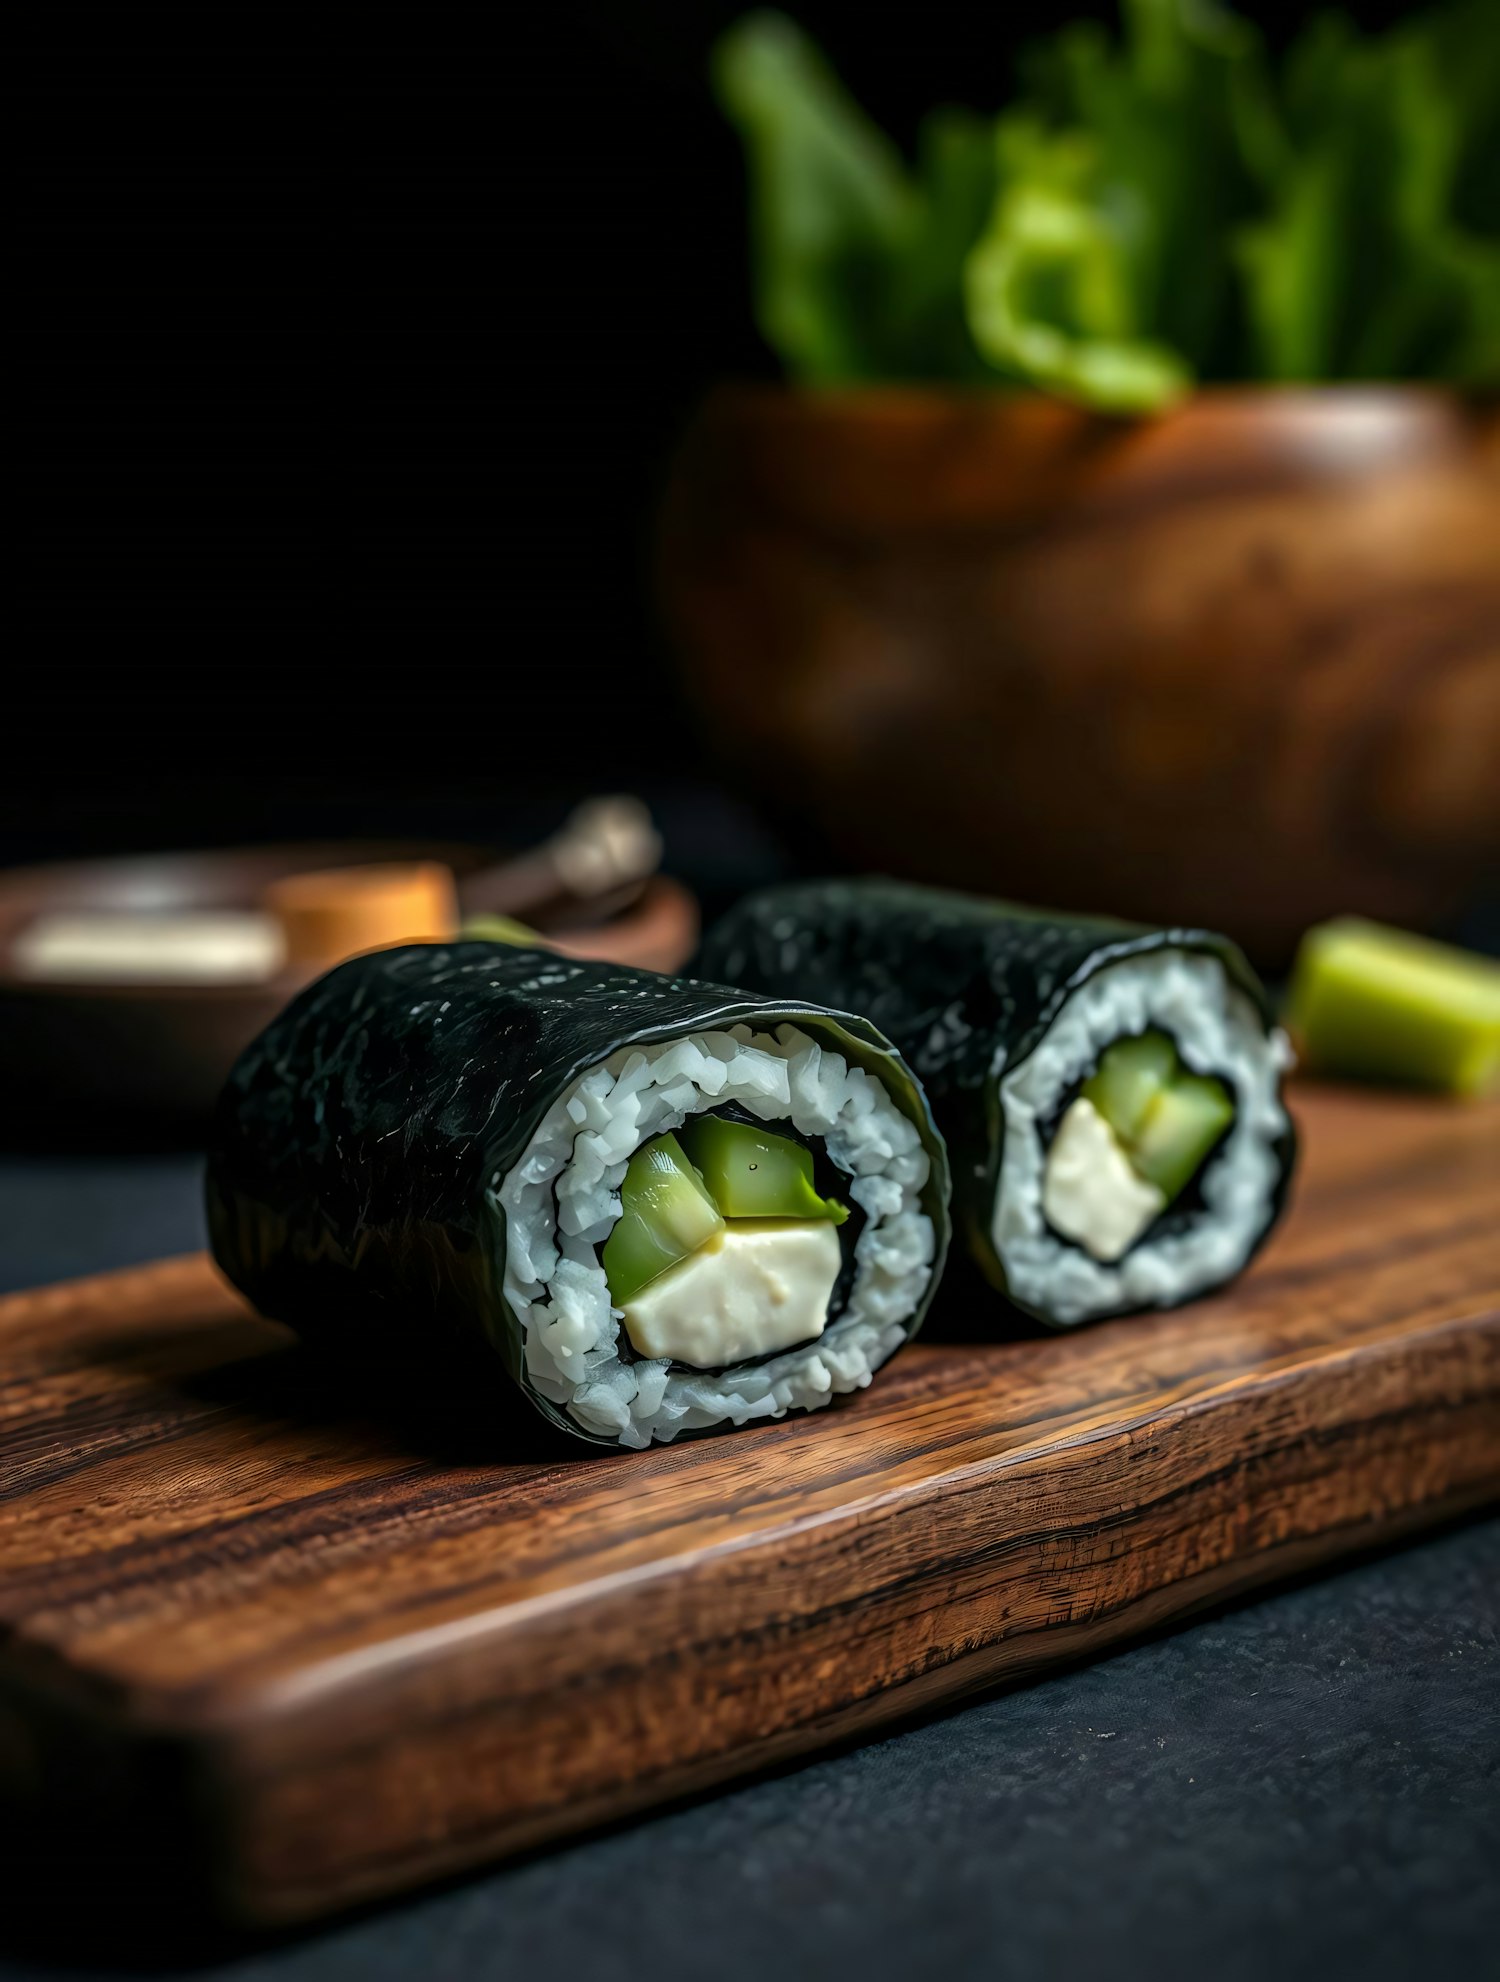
column 78, row 1058
column 1239, row 665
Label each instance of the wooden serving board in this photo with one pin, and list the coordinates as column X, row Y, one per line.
column 292, row 1650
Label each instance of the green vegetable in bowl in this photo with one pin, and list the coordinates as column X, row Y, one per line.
column 1361, row 267
column 859, row 261
column 1151, row 210
column 1048, row 287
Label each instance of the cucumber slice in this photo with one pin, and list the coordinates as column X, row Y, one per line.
column 1379, row 1004
column 1181, row 1126
column 665, row 1214
column 1130, row 1076
column 753, row 1174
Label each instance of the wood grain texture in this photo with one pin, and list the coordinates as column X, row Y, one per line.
column 314, row 1647
column 1237, row 666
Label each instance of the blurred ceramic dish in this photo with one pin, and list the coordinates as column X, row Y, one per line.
column 93, row 1050
column 1238, row 665
column 113, row 946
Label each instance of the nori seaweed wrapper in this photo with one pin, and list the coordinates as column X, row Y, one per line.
column 360, row 1142
column 965, row 988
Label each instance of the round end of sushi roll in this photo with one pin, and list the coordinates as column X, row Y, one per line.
column 1110, row 1094
column 666, row 1206
column 766, row 1315
column 1087, row 1218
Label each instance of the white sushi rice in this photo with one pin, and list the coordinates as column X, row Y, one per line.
column 1217, row 1031
column 562, row 1198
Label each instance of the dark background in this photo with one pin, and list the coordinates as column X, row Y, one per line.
column 347, row 384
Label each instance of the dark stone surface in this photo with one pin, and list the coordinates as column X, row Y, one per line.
column 61, row 1216
column 1307, row 1785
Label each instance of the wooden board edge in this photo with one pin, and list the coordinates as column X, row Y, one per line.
column 891, row 1610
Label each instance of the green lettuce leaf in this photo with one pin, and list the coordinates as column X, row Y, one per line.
column 858, row 259
column 1183, row 135
column 1049, row 288
column 1361, row 270
column 1463, row 45
column 832, row 205
column 1155, row 208
column 956, row 172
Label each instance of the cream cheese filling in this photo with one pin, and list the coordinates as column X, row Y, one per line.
column 758, row 1286
column 1091, row 1192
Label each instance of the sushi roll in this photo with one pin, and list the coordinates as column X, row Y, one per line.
column 666, row 1206
column 1110, row 1095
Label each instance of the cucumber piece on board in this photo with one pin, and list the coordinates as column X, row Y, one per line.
column 1379, row 1004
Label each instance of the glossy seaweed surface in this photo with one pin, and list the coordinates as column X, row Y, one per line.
column 963, row 988
column 360, row 1140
